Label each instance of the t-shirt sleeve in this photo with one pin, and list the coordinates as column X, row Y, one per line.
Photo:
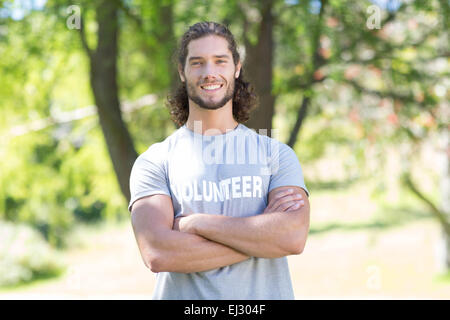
column 148, row 176
column 285, row 168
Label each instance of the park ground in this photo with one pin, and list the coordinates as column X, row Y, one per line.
column 353, row 252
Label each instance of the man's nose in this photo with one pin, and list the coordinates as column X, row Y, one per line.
column 210, row 72
column 209, row 78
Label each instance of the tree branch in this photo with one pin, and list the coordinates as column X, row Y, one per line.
column 364, row 32
column 390, row 94
column 82, row 33
column 245, row 24
column 438, row 214
column 387, row 49
column 298, row 123
column 130, row 14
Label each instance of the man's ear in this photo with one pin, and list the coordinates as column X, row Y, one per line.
column 181, row 73
column 238, row 70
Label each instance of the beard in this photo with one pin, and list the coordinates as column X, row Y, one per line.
column 210, row 105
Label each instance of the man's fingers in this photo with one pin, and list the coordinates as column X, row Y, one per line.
column 283, row 200
column 286, row 206
column 295, row 204
column 286, row 198
column 176, row 223
column 283, row 193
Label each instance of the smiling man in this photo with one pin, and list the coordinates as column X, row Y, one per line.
column 212, row 229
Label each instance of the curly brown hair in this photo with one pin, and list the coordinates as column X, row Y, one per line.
column 244, row 97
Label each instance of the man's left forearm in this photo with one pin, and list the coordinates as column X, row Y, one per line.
column 269, row 235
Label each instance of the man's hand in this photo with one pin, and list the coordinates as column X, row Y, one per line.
column 185, row 223
column 285, row 200
column 272, row 235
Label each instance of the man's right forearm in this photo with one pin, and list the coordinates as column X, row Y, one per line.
column 186, row 253
column 164, row 248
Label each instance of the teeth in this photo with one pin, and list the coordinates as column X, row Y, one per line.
column 212, row 87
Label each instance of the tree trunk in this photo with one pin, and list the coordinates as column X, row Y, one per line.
column 298, row 123
column 445, row 187
column 259, row 70
column 316, row 63
column 167, row 38
column 103, row 78
column 440, row 213
column 445, row 182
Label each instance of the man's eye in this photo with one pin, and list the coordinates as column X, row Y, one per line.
column 195, row 63
column 221, row 61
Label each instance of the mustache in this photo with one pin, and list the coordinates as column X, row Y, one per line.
column 215, row 80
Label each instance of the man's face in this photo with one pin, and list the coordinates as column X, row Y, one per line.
column 210, row 72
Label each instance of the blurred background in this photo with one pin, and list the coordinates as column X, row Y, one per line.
column 359, row 89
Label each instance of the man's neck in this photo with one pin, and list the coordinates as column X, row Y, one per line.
column 211, row 122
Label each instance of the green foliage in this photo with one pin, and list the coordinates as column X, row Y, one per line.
column 60, row 175
column 51, row 180
column 25, row 255
column 157, row 118
column 369, row 89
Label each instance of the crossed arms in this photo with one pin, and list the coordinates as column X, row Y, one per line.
column 200, row 241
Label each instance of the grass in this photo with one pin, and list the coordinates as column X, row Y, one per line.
column 35, row 282
column 442, row 278
column 358, row 247
column 393, row 216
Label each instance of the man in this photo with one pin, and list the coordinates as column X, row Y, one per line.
column 216, row 207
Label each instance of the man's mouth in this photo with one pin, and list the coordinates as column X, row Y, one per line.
column 212, row 87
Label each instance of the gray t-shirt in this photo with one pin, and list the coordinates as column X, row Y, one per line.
column 229, row 174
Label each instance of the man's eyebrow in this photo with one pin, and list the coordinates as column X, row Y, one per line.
column 195, row 58
column 216, row 56
column 222, row 56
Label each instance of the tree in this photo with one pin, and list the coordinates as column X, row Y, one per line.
column 103, row 78
column 394, row 67
column 259, row 59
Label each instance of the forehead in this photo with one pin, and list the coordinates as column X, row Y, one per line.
column 208, row 46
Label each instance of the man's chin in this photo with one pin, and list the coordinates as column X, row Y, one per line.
column 210, row 106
